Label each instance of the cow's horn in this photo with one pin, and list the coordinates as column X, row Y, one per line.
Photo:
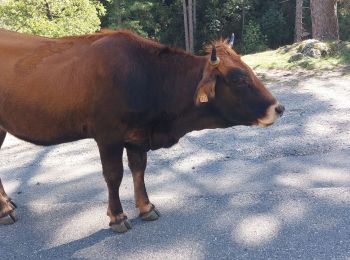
column 214, row 60
column 232, row 40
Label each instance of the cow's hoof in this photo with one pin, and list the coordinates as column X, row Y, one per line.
column 9, row 219
column 152, row 214
column 13, row 205
column 121, row 226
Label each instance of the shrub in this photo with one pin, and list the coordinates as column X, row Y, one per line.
column 58, row 18
column 274, row 26
column 344, row 27
column 253, row 39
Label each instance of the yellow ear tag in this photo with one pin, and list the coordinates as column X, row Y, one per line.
column 203, row 98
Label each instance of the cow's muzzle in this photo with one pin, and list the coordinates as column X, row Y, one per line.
column 280, row 109
column 272, row 114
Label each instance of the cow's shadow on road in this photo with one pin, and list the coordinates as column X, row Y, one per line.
column 234, row 193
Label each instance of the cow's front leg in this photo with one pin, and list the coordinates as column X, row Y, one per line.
column 7, row 208
column 137, row 165
column 112, row 164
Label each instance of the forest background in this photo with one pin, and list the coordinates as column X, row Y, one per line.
column 257, row 24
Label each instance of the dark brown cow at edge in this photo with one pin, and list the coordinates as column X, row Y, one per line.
column 123, row 91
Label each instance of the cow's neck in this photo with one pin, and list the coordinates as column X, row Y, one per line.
column 180, row 74
column 181, row 77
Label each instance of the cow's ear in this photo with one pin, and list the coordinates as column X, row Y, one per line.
column 206, row 87
column 205, row 90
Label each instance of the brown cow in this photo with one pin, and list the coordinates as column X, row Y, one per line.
column 123, row 91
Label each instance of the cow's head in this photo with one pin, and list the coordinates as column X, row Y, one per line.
column 231, row 89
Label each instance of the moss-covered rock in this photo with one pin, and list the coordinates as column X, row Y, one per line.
column 314, row 48
column 296, row 57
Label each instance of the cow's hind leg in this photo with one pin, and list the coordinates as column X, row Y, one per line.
column 7, row 208
column 112, row 164
column 137, row 165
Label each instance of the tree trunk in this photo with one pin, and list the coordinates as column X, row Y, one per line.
column 298, row 21
column 243, row 22
column 48, row 10
column 184, row 5
column 190, row 23
column 324, row 19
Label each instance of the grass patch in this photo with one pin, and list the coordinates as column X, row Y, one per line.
column 279, row 59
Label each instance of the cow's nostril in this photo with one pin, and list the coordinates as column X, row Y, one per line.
column 280, row 109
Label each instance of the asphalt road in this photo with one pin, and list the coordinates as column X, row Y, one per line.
column 241, row 193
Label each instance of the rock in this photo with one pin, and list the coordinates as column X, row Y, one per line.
column 323, row 48
column 311, row 52
column 295, row 57
column 314, row 48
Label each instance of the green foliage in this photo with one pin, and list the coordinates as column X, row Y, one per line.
column 161, row 20
column 274, row 26
column 271, row 22
column 51, row 17
column 344, row 27
column 221, row 18
column 253, row 40
column 170, row 20
column 344, row 20
column 134, row 15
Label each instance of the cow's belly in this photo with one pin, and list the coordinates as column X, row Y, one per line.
column 39, row 124
column 43, row 132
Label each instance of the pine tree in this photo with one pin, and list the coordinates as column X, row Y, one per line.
column 189, row 12
column 298, row 21
column 324, row 19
